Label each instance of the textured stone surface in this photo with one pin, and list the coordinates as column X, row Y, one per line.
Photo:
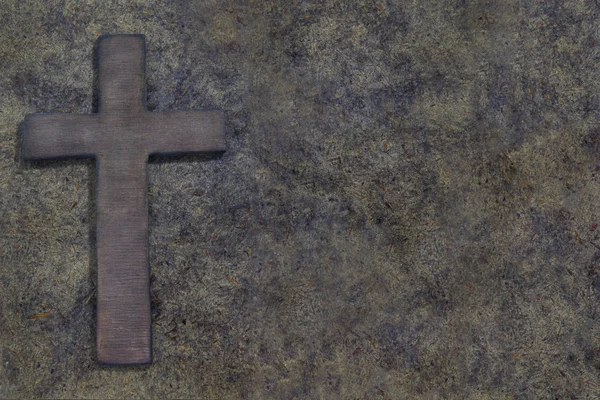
column 407, row 207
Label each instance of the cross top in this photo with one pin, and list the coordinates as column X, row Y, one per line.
column 120, row 137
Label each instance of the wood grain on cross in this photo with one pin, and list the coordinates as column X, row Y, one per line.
column 121, row 136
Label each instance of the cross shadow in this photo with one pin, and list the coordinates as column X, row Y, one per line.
column 183, row 158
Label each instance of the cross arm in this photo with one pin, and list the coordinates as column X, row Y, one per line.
column 185, row 132
column 58, row 136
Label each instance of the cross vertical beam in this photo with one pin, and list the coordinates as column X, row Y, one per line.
column 121, row 75
column 123, row 304
column 121, row 137
column 123, row 333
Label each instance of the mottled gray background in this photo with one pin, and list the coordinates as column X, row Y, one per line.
column 408, row 206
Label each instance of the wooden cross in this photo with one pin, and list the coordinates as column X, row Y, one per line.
column 121, row 136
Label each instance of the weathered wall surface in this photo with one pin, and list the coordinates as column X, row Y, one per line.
column 408, row 206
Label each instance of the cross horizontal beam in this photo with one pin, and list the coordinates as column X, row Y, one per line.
column 49, row 136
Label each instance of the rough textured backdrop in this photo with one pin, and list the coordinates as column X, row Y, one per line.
column 407, row 207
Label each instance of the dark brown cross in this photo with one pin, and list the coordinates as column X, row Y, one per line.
column 121, row 136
